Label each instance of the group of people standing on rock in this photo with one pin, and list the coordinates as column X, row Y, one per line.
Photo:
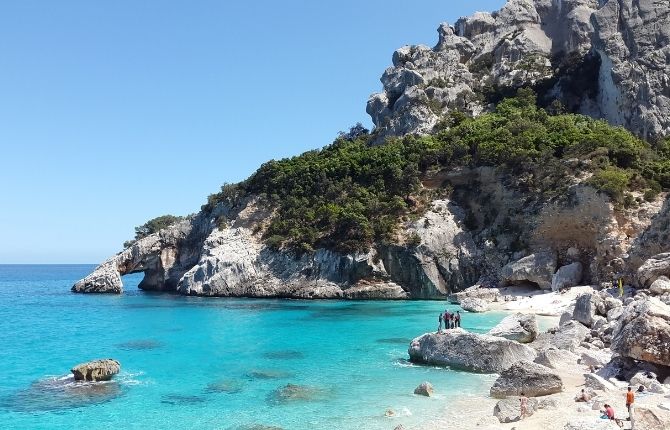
column 450, row 320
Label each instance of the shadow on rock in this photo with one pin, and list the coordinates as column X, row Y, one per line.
column 291, row 393
column 57, row 393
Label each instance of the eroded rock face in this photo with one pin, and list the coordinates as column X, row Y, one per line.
column 567, row 276
column 470, row 351
column 569, row 336
column 96, row 370
column 519, row 327
column 643, row 332
column 529, row 378
column 536, row 268
column 585, row 309
column 607, row 59
column 653, row 268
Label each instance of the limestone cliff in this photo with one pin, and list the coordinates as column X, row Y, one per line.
column 606, row 59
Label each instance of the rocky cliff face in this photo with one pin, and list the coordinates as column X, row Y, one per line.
column 607, row 59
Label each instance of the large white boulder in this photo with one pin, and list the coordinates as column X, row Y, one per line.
column 96, row 370
column 643, row 332
column 653, row 268
column 469, row 351
column 519, row 327
column 474, row 305
column 537, row 268
column 567, row 276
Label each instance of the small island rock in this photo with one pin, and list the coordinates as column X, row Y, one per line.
column 96, row 370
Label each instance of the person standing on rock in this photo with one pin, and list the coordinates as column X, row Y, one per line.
column 439, row 319
column 457, row 319
column 630, row 399
column 447, row 315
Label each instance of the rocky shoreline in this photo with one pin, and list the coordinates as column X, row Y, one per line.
column 603, row 343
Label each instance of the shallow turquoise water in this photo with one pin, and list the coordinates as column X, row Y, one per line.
column 213, row 363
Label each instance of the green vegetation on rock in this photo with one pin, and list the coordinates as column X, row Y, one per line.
column 350, row 194
column 152, row 226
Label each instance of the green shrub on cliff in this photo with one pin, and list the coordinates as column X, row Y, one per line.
column 350, row 194
column 152, row 226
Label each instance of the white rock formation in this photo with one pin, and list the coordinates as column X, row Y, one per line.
column 519, row 327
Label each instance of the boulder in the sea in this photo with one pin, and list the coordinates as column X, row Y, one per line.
column 643, row 332
column 567, row 276
column 653, row 268
column 105, row 279
column 470, row 351
column 474, row 305
column 526, row 377
column 519, row 327
column 536, row 268
column 556, row 358
column 296, row 393
column 424, row 389
column 509, row 410
column 96, row 370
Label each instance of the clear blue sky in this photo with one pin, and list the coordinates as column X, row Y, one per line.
column 113, row 112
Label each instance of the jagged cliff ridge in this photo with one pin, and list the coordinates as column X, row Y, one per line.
column 477, row 218
column 606, row 59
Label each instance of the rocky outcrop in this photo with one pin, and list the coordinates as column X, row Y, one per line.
column 519, row 327
column 643, row 332
column 197, row 256
column 653, row 268
column 647, row 419
column 536, row 268
column 474, row 305
column 567, row 276
column 469, row 351
column 585, row 310
column 424, row 389
column 96, row 370
column 569, row 336
column 529, row 378
column 608, row 59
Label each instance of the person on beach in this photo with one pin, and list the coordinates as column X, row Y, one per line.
column 583, row 397
column 523, row 400
column 439, row 319
column 630, row 399
column 457, row 318
column 609, row 411
column 453, row 320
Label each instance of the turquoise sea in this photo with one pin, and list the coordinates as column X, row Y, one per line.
column 209, row 363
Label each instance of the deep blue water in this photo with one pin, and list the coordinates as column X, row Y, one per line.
column 213, row 363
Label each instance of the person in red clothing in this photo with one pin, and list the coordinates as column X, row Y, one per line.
column 630, row 399
column 609, row 412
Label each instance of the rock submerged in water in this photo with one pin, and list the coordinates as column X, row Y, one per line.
column 296, row 393
column 519, row 327
column 96, row 370
column 531, row 379
column 469, row 351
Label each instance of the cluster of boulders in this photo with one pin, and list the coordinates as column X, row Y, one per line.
column 618, row 337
